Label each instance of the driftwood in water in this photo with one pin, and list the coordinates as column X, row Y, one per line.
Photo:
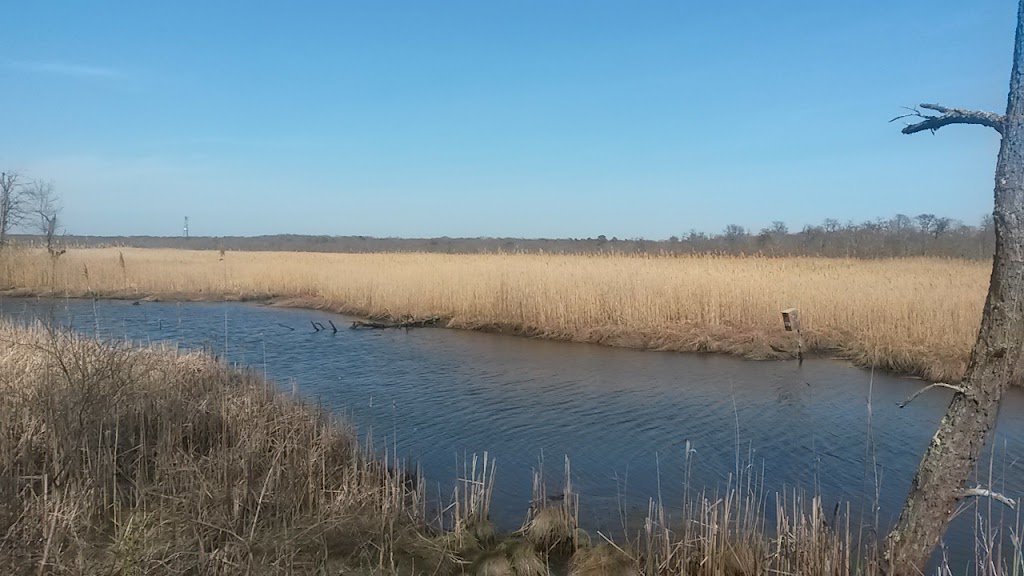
column 381, row 324
column 317, row 326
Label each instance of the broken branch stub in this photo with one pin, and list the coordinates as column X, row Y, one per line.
column 957, row 389
column 980, row 492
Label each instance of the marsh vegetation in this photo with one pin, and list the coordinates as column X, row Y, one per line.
column 915, row 316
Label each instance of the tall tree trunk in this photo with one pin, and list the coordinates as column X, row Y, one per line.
column 953, row 453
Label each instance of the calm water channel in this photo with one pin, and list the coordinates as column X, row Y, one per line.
column 623, row 417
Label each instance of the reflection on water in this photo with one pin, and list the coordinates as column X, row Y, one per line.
column 622, row 416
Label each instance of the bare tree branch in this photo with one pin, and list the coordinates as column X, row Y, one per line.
column 985, row 493
column 45, row 205
column 957, row 389
column 949, row 116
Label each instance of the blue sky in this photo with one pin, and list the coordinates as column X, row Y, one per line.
column 525, row 118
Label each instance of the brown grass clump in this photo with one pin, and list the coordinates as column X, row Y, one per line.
column 550, row 527
column 510, row 558
column 492, row 564
column 525, row 560
column 552, row 524
column 602, row 560
column 116, row 460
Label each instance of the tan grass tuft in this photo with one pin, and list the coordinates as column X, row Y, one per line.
column 492, row 563
column 550, row 527
column 525, row 560
column 602, row 560
column 510, row 558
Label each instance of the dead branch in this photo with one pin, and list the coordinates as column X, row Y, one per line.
column 949, row 116
column 957, row 389
column 985, row 493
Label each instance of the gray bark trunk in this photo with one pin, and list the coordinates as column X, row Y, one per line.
column 953, row 453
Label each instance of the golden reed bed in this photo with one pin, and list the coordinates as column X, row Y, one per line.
column 914, row 315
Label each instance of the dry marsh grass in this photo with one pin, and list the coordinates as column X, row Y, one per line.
column 915, row 316
column 117, row 460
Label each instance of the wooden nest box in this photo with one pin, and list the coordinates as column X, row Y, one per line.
column 791, row 319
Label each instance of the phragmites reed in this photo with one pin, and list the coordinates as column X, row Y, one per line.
column 916, row 316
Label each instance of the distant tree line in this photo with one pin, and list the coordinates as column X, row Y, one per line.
column 901, row 235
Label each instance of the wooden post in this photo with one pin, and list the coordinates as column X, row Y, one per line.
column 791, row 322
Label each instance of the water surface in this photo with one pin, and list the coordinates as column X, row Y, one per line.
column 622, row 416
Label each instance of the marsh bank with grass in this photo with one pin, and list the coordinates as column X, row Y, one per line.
column 914, row 316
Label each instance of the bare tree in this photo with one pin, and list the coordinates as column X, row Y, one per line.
column 734, row 231
column 940, row 226
column 947, row 464
column 901, row 223
column 13, row 203
column 45, row 207
column 926, row 222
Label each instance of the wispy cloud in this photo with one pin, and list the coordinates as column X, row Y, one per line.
column 66, row 69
